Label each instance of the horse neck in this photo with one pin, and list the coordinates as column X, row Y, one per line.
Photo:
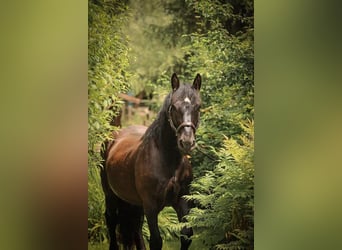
column 166, row 139
column 169, row 140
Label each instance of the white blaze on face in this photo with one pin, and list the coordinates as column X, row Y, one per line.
column 187, row 115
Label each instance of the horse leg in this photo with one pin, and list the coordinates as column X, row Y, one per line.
column 111, row 200
column 152, row 221
column 182, row 208
column 111, row 215
column 131, row 221
column 139, row 239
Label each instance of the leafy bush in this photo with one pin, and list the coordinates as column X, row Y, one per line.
column 107, row 77
column 226, row 63
column 224, row 217
column 107, row 70
column 223, row 164
column 97, row 229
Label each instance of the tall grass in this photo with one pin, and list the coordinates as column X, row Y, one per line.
column 97, row 230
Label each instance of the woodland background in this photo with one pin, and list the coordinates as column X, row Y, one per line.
column 137, row 45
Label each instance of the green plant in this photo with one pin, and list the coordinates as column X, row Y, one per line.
column 225, row 196
column 107, row 70
column 97, row 229
column 107, row 77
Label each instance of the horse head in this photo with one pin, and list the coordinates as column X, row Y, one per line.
column 184, row 112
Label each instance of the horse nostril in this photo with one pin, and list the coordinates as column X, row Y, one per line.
column 187, row 145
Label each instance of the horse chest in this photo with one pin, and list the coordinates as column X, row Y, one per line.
column 172, row 191
column 178, row 184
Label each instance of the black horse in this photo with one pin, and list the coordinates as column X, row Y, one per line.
column 147, row 169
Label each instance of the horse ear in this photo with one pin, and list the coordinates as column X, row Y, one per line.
column 197, row 82
column 174, row 82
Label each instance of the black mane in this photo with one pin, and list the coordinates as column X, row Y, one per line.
column 185, row 90
column 154, row 130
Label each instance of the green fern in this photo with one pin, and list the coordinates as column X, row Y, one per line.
column 224, row 218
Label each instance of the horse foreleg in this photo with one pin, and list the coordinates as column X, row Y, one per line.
column 182, row 208
column 152, row 221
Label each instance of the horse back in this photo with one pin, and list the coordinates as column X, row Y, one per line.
column 120, row 163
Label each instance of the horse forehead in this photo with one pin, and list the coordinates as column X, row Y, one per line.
column 186, row 99
column 186, row 94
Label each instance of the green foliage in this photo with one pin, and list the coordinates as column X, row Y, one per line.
column 152, row 52
column 226, row 63
column 107, row 70
column 107, row 76
column 97, row 229
column 224, row 217
column 222, row 51
column 235, row 16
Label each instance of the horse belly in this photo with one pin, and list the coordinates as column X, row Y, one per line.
column 121, row 170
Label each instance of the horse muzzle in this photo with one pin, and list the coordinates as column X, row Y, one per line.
column 186, row 140
column 187, row 146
